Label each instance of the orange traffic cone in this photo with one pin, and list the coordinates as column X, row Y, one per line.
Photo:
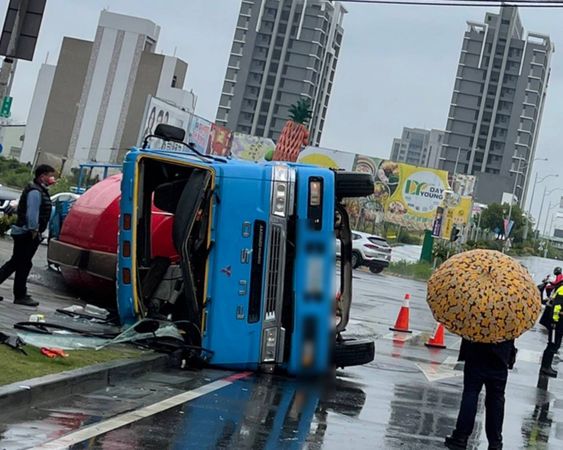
column 437, row 340
column 402, row 322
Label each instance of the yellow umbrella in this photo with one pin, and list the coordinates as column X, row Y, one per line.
column 484, row 296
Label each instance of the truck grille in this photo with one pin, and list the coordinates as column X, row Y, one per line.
column 274, row 276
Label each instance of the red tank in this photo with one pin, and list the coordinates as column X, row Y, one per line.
column 86, row 250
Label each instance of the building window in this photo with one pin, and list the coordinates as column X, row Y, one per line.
column 174, row 81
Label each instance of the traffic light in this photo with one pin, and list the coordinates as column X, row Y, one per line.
column 5, row 107
column 454, row 236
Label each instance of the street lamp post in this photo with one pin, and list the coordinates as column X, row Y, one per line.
column 536, row 181
column 457, row 160
column 545, row 194
column 518, row 173
column 551, row 205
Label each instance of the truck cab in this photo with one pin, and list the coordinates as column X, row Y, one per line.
column 252, row 277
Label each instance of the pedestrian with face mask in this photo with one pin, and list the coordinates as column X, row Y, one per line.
column 33, row 214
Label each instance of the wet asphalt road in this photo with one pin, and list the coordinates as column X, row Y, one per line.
column 407, row 398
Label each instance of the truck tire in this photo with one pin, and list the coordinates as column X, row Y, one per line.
column 353, row 352
column 375, row 269
column 353, row 184
column 356, row 260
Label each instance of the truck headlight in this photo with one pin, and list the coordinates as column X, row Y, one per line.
column 279, row 199
column 270, row 345
column 315, row 192
column 280, row 186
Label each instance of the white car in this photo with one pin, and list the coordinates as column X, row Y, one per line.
column 368, row 250
column 60, row 197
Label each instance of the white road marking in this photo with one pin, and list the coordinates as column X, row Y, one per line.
column 400, row 337
column 440, row 371
column 530, row 356
column 133, row 416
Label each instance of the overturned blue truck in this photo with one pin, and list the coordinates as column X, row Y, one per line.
column 253, row 281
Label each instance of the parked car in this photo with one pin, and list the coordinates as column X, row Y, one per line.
column 6, row 197
column 62, row 197
column 368, row 250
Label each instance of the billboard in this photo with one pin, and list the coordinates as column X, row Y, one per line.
column 200, row 131
column 252, row 148
column 457, row 215
column 324, row 157
column 158, row 111
column 405, row 195
column 220, row 140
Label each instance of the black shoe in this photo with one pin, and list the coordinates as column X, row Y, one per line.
column 548, row 371
column 455, row 443
column 495, row 447
column 26, row 301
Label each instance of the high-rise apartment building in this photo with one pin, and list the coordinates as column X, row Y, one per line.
column 418, row 146
column 497, row 105
column 282, row 50
column 90, row 106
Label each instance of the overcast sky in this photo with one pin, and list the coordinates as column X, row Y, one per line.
column 396, row 67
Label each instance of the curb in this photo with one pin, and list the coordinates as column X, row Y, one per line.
column 28, row 393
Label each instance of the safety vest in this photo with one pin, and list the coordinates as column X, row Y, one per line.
column 557, row 308
column 44, row 209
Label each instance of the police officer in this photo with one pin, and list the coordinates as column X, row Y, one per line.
column 33, row 213
column 555, row 331
column 485, row 365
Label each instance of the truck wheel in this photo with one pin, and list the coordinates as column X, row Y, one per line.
column 375, row 269
column 353, row 184
column 353, row 352
column 356, row 260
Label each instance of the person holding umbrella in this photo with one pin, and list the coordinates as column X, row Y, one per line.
column 553, row 320
column 489, row 300
column 485, row 365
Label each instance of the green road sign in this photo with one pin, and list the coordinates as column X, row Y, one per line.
column 6, row 107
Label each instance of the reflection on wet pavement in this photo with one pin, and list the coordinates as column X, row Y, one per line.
column 407, row 398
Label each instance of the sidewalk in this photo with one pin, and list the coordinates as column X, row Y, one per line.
column 44, row 285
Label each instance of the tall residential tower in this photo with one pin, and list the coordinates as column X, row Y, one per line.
column 497, row 105
column 282, row 50
column 418, row 146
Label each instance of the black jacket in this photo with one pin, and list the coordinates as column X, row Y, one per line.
column 44, row 208
column 488, row 356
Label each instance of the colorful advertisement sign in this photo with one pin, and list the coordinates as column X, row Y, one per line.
column 437, row 224
column 252, row 148
column 200, row 130
column 324, row 157
column 219, row 140
column 403, row 194
column 457, row 215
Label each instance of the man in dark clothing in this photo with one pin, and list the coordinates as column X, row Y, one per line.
column 485, row 364
column 553, row 320
column 33, row 213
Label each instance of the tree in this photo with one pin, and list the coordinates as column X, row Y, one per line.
column 492, row 218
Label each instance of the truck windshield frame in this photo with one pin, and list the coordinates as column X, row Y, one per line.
column 184, row 190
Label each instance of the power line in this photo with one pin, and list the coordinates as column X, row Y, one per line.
column 465, row 3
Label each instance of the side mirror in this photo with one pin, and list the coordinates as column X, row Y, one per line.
column 169, row 133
